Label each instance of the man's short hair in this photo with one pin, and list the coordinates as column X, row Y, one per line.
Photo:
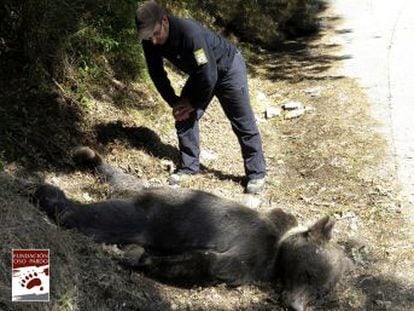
column 147, row 15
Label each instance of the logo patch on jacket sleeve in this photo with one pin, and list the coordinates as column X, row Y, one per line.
column 200, row 57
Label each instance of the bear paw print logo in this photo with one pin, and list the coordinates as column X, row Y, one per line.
column 31, row 280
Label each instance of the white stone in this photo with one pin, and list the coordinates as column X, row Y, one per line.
column 292, row 105
column 252, row 201
column 208, row 155
column 261, row 97
column 272, row 112
column 314, row 91
column 291, row 114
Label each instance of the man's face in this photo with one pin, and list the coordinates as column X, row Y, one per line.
column 160, row 32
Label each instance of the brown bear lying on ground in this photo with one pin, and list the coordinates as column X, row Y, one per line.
column 196, row 236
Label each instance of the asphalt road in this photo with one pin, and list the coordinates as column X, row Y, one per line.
column 378, row 38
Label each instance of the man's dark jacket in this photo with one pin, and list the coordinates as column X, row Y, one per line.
column 185, row 38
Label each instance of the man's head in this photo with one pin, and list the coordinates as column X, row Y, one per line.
column 152, row 22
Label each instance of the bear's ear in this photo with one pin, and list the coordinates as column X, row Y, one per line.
column 322, row 229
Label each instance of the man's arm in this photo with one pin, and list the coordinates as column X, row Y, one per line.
column 183, row 110
column 199, row 87
column 158, row 74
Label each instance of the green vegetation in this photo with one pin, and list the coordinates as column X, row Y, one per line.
column 93, row 36
column 266, row 22
column 52, row 35
column 58, row 57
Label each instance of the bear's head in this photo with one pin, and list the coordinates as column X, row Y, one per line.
column 309, row 263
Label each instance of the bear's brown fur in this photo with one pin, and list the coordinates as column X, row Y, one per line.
column 193, row 235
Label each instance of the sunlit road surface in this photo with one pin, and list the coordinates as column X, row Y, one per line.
column 378, row 37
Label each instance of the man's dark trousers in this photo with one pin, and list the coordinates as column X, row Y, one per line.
column 233, row 94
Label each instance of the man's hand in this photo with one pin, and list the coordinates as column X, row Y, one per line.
column 183, row 110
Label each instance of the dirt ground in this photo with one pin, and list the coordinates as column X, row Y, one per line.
column 331, row 160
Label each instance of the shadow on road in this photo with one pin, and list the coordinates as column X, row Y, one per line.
column 297, row 60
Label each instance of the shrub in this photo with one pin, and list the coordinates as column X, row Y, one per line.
column 265, row 22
